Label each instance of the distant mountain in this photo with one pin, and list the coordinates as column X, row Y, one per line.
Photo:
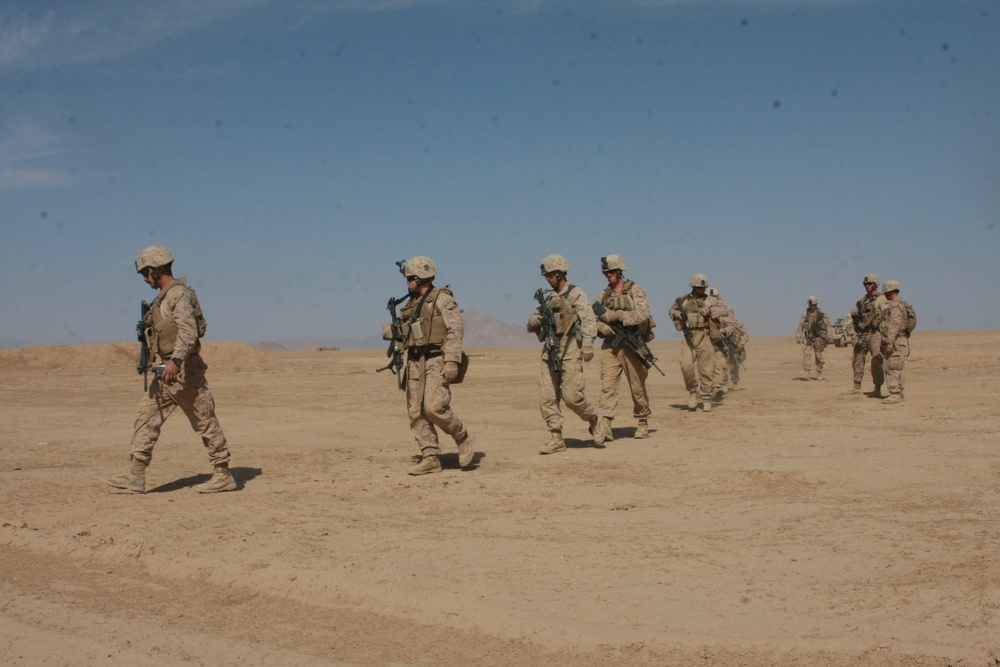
column 484, row 330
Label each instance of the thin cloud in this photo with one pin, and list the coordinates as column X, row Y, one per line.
column 22, row 147
column 32, row 37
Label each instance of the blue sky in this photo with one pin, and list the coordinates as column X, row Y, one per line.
column 288, row 153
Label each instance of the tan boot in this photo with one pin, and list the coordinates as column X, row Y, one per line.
column 597, row 432
column 855, row 390
column 609, row 434
column 642, row 430
column 428, row 464
column 892, row 398
column 222, row 480
column 706, row 405
column 692, row 401
column 133, row 481
column 555, row 443
column 819, row 375
column 466, row 451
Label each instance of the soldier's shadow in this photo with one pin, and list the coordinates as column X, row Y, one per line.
column 573, row 443
column 450, row 461
column 241, row 475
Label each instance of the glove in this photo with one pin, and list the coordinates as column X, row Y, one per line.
column 588, row 352
column 605, row 331
column 798, row 340
column 610, row 316
column 450, row 371
column 888, row 349
column 705, row 311
column 534, row 323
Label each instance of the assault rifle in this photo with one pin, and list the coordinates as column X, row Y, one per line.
column 395, row 350
column 729, row 350
column 629, row 336
column 547, row 334
column 142, row 363
column 685, row 325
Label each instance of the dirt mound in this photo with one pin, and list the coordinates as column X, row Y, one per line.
column 112, row 355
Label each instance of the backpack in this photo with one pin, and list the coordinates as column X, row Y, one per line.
column 911, row 318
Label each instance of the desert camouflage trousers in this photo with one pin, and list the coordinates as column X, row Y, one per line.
column 566, row 386
column 698, row 365
column 869, row 342
column 190, row 393
column 895, row 366
column 812, row 354
column 428, row 404
column 615, row 364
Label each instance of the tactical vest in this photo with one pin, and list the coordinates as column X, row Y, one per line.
column 623, row 301
column 420, row 327
column 868, row 312
column 562, row 311
column 161, row 332
column 692, row 304
column 815, row 327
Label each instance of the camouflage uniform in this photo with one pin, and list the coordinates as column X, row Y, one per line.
column 175, row 306
column 812, row 334
column 428, row 393
column 869, row 341
column 740, row 338
column 705, row 315
column 623, row 361
column 569, row 384
column 896, row 347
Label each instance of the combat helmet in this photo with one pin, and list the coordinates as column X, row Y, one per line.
column 612, row 263
column 699, row 280
column 421, row 267
column 890, row 286
column 555, row 263
column 870, row 278
column 152, row 257
column 711, row 291
column 813, row 300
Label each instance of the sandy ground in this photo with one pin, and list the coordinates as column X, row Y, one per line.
column 793, row 525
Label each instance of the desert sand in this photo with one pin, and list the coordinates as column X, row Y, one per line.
column 793, row 525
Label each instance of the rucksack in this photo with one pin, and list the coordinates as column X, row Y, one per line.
column 911, row 318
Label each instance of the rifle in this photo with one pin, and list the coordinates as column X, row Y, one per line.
column 547, row 334
column 685, row 326
column 630, row 337
column 395, row 350
column 142, row 363
column 726, row 346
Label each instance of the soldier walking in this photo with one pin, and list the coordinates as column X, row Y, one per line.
column 431, row 331
column 869, row 340
column 625, row 303
column 700, row 317
column 173, row 325
column 574, row 328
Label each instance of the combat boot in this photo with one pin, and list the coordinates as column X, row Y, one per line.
column 706, row 405
column 855, row 390
column 222, row 480
column 819, row 375
column 466, row 451
column 692, row 401
column 133, row 481
column 555, row 443
column 428, row 464
column 642, row 430
column 892, row 399
column 597, row 432
column 609, row 434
